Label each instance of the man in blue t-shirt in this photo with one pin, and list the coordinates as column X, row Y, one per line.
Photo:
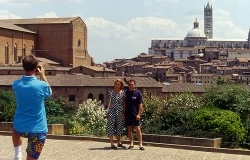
column 133, row 110
column 30, row 116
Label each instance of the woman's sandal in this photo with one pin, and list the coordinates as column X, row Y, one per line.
column 130, row 147
column 142, row 149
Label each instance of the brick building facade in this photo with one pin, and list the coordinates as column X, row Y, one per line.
column 63, row 40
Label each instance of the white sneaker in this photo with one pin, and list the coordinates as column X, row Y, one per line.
column 19, row 157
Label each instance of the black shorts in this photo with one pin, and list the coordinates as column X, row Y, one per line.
column 131, row 121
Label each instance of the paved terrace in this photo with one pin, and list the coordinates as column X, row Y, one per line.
column 77, row 148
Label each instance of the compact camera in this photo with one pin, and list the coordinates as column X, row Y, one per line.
column 39, row 68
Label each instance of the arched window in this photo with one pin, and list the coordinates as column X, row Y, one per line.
column 90, row 96
column 15, row 52
column 237, row 46
column 24, row 50
column 173, row 44
column 6, row 53
column 101, row 98
column 31, row 49
column 79, row 43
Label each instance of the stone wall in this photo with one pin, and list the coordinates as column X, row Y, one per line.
column 56, row 129
column 191, row 141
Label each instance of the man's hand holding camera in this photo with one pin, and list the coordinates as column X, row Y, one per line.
column 41, row 72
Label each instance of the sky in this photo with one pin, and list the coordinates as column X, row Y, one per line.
column 124, row 28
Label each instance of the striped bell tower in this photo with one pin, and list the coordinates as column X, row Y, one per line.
column 208, row 21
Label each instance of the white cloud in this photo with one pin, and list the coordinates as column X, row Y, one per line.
column 105, row 29
column 227, row 29
column 221, row 15
column 128, row 40
column 5, row 14
column 48, row 15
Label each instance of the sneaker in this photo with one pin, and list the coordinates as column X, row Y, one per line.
column 113, row 147
column 130, row 147
column 121, row 145
column 19, row 157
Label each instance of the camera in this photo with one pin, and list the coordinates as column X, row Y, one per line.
column 39, row 68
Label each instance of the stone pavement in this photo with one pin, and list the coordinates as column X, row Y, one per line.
column 56, row 149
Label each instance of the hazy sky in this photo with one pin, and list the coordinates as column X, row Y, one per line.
column 124, row 28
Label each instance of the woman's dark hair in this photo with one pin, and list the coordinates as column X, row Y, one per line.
column 29, row 62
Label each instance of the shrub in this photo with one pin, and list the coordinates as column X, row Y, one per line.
column 177, row 114
column 90, row 116
column 55, row 106
column 212, row 122
column 225, row 96
column 7, row 106
column 150, row 118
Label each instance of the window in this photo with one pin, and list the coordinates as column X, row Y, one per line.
column 15, row 52
column 72, row 98
column 181, row 44
column 90, row 96
column 24, row 50
column 32, row 49
column 173, row 44
column 101, row 98
column 79, row 43
column 6, row 54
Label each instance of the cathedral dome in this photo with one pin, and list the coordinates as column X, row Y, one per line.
column 196, row 32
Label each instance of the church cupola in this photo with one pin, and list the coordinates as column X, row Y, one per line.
column 196, row 24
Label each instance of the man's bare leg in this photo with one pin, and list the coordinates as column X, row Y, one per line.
column 139, row 135
column 17, row 143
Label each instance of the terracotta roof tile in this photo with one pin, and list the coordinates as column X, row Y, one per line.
column 14, row 27
column 39, row 20
column 184, row 87
column 145, row 82
column 83, row 80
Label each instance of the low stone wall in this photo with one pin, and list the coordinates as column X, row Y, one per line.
column 191, row 141
column 56, row 129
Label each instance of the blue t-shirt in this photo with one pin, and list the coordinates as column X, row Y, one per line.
column 30, row 113
column 132, row 101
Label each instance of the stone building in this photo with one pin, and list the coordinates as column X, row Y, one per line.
column 200, row 42
column 76, row 88
column 63, row 40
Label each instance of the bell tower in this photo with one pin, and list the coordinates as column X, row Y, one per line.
column 249, row 39
column 208, row 21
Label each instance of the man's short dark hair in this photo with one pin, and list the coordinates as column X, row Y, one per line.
column 29, row 62
column 131, row 80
